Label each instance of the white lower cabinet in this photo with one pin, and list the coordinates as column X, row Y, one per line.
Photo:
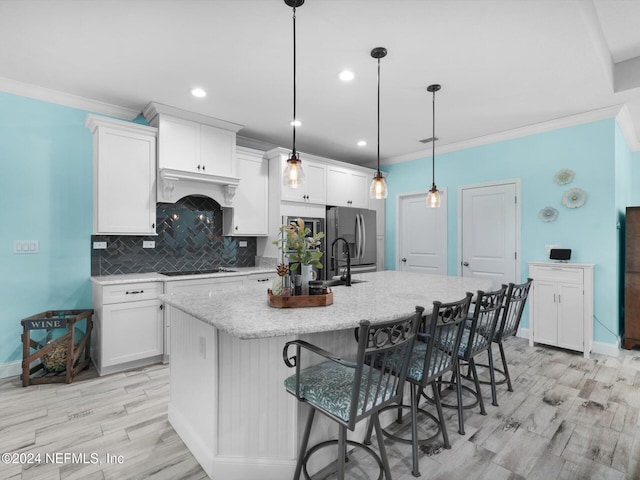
column 128, row 326
column 561, row 305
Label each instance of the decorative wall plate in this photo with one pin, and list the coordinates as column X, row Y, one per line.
column 548, row 214
column 563, row 177
column 574, row 198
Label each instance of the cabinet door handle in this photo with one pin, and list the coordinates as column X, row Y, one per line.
column 134, row 292
column 153, row 225
column 554, row 298
column 161, row 306
column 203, row 169
column 558, row 298
column 198, row 167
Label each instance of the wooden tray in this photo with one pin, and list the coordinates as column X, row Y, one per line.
column 299, row 301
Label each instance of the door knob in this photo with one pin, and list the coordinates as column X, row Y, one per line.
column 404, row 259
column 465, row 264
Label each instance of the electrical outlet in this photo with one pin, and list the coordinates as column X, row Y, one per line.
column 242, row 244
column 547, row 249
column 99, row 245
column 148, row 244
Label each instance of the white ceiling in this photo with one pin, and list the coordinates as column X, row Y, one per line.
column 503, row 64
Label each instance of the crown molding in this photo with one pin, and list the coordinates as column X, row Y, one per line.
column 558, row 123
column 625, row 122
column 66, row 99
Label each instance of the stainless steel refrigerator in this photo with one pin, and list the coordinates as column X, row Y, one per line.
column 358, row 227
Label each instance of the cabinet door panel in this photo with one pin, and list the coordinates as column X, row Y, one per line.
column 316, row 182
column 250, row 213
column 131, row 331
column 125, row 187
column 337, row 186
column 570, row 317
column 179, row 144
column 217, row 151
column 545, row 310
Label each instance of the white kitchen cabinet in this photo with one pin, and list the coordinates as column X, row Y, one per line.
column 347, row 188
column 251, row 205
column 124, row 185
column 197, row 285
column 190, row 142
column 128, row 326
column 312, row 191
column 561, row 305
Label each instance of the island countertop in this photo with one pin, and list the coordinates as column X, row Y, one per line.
column 244, row 312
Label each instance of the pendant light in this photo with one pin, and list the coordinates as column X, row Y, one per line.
column 378, row 189
column 293, row 175
column 433, row 197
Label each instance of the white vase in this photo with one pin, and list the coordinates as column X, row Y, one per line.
column 307, row 273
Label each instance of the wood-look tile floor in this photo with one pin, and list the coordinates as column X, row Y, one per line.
column 568, row 418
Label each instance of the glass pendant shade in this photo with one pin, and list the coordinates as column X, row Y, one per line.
column 378, row 188
column 433, row 198
column 293, row 175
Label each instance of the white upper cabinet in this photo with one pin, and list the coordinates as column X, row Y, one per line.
column 347, row 188
column 313, row 190
column 251, row 205
column 124, row 177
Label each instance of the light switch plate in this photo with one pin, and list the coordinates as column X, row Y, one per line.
column 148, row 244
column 242, row 244
column 99, row 245
column 21, row 247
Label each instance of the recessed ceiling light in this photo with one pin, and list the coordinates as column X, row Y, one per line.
column 198, row 92
column 346, row 75
column 362, row 143
column 295, row 123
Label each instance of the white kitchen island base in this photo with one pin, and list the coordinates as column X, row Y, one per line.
column 228, row 401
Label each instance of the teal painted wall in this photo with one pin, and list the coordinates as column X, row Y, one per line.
column 46, row 195
column 590, row 231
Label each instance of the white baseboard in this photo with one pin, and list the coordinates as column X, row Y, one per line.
column 609, row 349
column 10, row 369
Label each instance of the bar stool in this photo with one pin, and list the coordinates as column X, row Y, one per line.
column 511, row 314
column 477, row 336
column 434, row 354
column 347, row 392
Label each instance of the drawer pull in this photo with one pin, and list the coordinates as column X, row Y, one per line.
column 263, row 279
column 133, row 292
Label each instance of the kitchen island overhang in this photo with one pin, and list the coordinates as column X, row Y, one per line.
column 228, row 402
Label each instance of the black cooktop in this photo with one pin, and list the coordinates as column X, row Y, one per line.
column 197, row 272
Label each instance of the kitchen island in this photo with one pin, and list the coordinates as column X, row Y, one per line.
column 228, row 402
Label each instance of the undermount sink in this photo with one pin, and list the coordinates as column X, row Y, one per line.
column 338, row 281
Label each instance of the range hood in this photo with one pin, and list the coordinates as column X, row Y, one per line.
column 174, row 184
column 196, row 154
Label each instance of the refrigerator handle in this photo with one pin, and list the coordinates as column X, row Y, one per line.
column 364, row 237
column 357, row 243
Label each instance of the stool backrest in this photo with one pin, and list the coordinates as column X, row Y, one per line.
column 484, row 321
column 442, row 332
column 379, row 376
column 514, row 302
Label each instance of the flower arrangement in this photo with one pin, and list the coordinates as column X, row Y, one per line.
column 301, row 247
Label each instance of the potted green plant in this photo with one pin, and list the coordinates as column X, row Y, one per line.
column 302, row 248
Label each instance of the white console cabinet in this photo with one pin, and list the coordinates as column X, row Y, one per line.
column 561, row 305
column 128, row 326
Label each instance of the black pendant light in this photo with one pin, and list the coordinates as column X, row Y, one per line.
column 293, row 175
column 433, row 197
column 378, row 189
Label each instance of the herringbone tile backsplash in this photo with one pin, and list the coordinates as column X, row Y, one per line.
column 189, row 238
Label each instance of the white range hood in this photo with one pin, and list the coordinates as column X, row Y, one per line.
column 196, row 154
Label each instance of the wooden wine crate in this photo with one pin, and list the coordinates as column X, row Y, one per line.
column 55, row 360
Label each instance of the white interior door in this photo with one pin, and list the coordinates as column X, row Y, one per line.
column 422, row 234
column 489, row 232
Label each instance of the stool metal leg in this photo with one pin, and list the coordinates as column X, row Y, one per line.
column 472, row 366
column 459, row 396
column 375, row 420
column 303, row 445
column 342, row 451
column 506, row 369
column 415, row 399
column 436, row 398
column 492, row 376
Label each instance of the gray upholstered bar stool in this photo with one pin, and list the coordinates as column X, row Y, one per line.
column 347, row 392
column 435, row 354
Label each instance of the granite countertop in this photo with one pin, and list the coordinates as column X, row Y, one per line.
column 244, row 311
column 158, row 277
